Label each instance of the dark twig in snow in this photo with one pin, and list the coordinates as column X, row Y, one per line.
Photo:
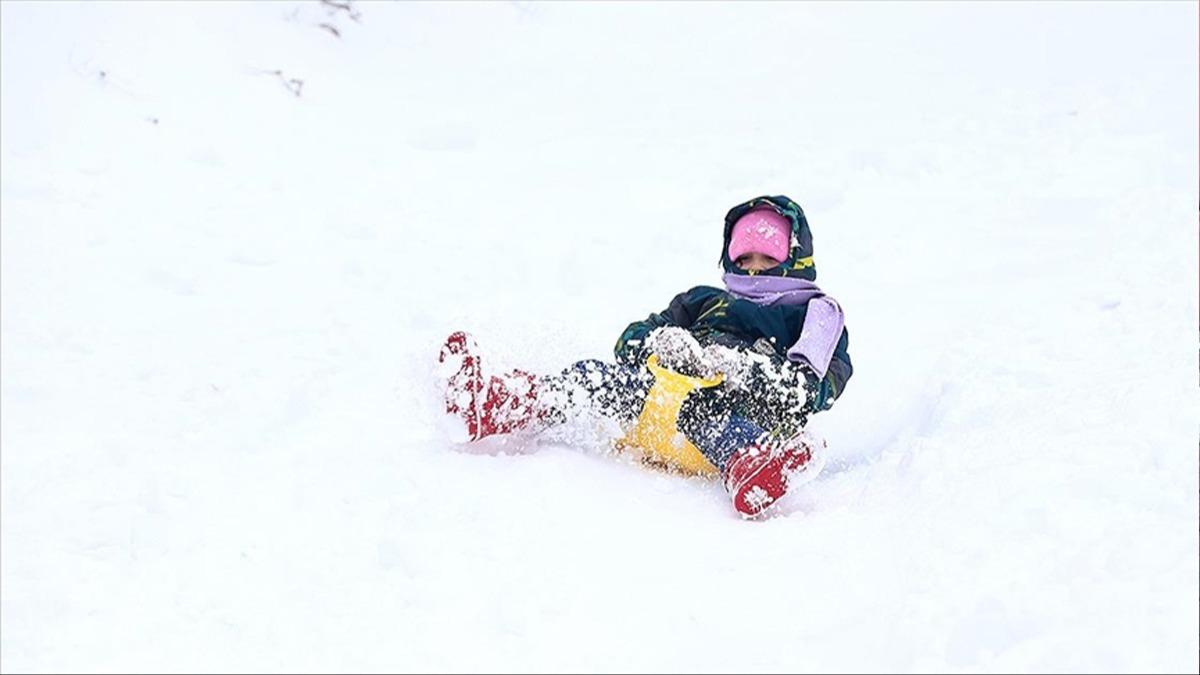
column 344, row 6
column 292, row 84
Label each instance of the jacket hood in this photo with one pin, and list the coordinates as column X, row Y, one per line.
column 800, row 258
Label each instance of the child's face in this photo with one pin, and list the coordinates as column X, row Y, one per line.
column 756, row 262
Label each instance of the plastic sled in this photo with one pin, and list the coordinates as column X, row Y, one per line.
column 655, row 434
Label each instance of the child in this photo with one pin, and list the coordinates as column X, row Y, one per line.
column 778, row 340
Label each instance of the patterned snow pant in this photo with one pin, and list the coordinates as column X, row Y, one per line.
column 717, row 420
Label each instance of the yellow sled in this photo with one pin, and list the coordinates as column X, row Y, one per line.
column 654, row 432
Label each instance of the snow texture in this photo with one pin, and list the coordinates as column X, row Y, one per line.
column 233, row 240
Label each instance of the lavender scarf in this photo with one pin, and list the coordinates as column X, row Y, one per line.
column 823, row 321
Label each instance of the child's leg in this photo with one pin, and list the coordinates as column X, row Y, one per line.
column 774, row 396
column 519, row 401
column 594, row 387
column 757, row 466
column 711, row 420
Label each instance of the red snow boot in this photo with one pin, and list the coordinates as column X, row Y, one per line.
column 504, row 405
column 759, row 474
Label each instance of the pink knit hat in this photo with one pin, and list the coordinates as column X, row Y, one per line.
column 761, row 231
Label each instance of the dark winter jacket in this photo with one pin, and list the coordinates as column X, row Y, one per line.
column 716, row 317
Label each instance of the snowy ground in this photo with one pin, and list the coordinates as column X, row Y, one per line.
column 221, row 304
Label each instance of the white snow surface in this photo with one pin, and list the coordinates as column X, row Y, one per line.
column 222, row 302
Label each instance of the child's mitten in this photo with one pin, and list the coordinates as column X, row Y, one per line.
column 677, row 349
column 734, row 364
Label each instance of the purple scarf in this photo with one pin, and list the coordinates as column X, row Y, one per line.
column 823, row 321
column 771, row 290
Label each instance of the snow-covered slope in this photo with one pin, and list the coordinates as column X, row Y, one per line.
column 221, row 304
